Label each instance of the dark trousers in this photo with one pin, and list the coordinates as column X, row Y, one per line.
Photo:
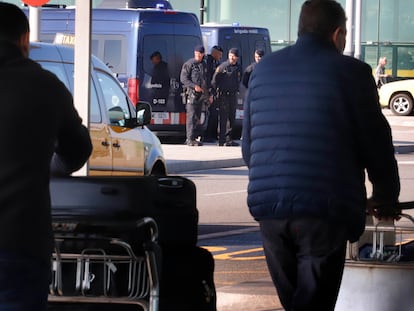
column 211, row 132
column 193, row 118
column 227, row 113
column 306, row 259
column 24, row 283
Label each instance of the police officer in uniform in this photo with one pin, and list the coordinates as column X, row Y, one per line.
column 226, row 82
column 194, row 79
column 212, row 61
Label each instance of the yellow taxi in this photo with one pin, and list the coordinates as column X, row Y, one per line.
column 122, row 144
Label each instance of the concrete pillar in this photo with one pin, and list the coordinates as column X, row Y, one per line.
column 34, row 21
column 82, row 63
column 349, row 10
column 358, row 12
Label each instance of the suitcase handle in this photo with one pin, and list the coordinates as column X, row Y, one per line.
column 109, row 190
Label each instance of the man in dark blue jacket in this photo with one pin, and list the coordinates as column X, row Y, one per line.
column 41, row 133
column 311, row 129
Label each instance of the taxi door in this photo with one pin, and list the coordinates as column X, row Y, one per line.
column 126, row 146
column 100, row 161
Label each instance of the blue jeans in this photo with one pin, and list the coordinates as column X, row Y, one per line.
column 24, row 283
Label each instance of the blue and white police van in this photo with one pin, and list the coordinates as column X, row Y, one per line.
column 125, row 39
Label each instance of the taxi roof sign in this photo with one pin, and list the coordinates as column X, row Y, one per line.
column 64, row 39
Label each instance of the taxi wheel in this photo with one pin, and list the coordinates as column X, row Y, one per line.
column 401, row 104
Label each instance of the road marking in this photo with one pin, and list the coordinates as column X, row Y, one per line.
column 213, row 249
column 224, row 193
column 236, row 255
column 226, row 233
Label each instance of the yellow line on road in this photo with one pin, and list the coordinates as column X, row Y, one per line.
column 234, row 255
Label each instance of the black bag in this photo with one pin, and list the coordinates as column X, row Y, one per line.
column 86, row 207
column 187, row 280
column 109, row 205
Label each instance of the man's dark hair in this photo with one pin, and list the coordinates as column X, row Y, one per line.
column 321, row 17
column 13, row 22
column 156, row 53
column 217, row 48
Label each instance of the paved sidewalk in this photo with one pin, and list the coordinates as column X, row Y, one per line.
column 182, row 158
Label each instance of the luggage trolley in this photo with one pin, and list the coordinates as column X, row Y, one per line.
column 95, row 269
column 379, row 275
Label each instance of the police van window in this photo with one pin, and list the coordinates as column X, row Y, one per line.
column 161, row 44
column 261, row 45
column 185, row 47
column 175, row 50
column 115, row 99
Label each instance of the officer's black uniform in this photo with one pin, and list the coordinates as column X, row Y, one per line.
column 226, row 81
column 194, row 73
column 247, row 73
column 212, row 125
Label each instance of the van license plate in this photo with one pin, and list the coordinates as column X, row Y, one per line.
column 160, row 115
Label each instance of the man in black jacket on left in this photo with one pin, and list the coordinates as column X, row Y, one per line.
column 41, row 134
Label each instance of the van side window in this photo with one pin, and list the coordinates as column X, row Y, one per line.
column 113, row 53
column 115, row 99
column 112, row 49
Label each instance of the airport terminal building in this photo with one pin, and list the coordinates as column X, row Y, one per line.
column 381, row 27
column 386, row 26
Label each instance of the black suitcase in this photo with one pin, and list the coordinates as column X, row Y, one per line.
column 86, row 207
column 109, row 205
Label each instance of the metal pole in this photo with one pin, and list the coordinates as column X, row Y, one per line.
column 202, row 10
column 34, row 21
column 358, row 12
column 349, row 23
column 82, row 63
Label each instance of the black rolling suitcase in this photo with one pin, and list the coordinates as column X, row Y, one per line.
column 111, row 206
column 108, row 204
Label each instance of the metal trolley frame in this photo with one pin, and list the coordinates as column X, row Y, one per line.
column 110, row 273
column 378, row 275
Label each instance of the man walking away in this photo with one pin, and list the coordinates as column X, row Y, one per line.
column 309, row 133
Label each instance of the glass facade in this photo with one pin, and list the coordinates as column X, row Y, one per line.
column 387, row 26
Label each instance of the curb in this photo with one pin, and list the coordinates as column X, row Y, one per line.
column 182, row 166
